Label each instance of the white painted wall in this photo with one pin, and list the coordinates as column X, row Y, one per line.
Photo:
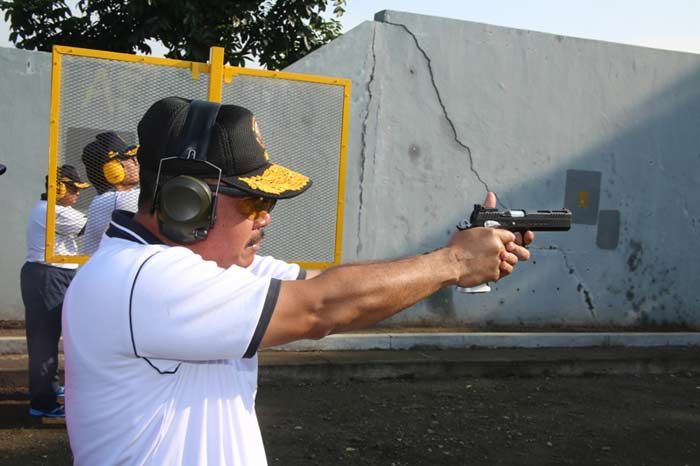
column 25, row 84
column 444, row 109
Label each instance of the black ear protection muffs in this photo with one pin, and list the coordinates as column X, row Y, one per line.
column 185, row 205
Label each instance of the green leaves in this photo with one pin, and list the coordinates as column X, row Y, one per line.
column 276, row 33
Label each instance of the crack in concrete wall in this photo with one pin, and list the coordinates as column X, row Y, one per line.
column 442, row 104
column 521, row 104
column 363, row 150
column 572, row 270
column 694, row 223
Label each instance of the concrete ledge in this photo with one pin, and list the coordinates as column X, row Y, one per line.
column 445, row 341
column 336, row 366
column 13, row 345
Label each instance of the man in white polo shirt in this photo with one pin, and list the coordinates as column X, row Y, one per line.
column 113, row 169
column 163, row 324
column 43, row 287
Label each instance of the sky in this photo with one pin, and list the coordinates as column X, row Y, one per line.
column 663, row 24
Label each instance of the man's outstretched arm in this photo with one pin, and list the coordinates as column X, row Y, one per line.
column 354, row 296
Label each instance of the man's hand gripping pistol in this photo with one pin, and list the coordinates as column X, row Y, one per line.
column 516, row 221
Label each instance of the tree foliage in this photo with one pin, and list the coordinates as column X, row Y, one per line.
column 275, row 32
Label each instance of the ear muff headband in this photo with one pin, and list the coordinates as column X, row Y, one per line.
column 186, row 207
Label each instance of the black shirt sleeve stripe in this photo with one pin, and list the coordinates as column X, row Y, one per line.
column 302, row 274
column 273, row 293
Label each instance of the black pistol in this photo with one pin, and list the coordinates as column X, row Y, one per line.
column 515, row 221
column 518, row 220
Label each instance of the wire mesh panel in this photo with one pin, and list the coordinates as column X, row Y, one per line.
column 301, row 122
column 98, row 98
column 100, row 102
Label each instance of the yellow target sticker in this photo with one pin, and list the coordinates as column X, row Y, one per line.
column 583, row 199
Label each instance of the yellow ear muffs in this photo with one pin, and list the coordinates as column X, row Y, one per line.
column 113, row 171
column 61, row 190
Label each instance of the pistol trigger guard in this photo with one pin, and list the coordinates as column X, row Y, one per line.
column 463, row 225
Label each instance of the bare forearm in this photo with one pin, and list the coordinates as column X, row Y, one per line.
column 355, row 296
column 358, row 295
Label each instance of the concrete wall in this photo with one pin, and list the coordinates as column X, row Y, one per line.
column 25, row 86
column 443, row 110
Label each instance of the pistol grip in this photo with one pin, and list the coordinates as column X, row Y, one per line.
column 483, row 288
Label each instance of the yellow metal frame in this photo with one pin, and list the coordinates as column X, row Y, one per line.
column 216, row 58
column 230, row 72
column 218, row 75
column 127, row 57
column 53, row 160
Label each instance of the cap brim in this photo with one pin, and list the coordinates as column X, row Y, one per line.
column 272, row 181
column 129, row 152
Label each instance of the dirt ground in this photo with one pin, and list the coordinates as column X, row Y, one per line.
column 608, row 420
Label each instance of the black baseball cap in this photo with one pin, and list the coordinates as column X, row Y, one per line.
column 107, row 146
column 68, row 174
column 235, row 146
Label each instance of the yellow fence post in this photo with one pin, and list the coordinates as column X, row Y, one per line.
column 53, row 155
column 216, row 73
column 341, row 172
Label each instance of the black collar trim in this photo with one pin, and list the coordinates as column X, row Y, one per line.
column 123, row 226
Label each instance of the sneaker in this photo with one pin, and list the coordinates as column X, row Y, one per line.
column 58, row 411
column 61, row 391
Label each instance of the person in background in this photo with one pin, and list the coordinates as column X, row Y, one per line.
column 43, row 287
column 112, row 167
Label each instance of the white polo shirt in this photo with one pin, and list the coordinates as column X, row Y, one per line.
column 161, row 353
column 69, row 223
column 100, row 214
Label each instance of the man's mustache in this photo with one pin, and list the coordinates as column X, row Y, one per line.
column 255, row 239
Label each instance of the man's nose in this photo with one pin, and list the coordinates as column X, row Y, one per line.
column 262, row 220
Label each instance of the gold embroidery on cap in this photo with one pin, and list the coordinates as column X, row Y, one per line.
column 132, row 151
column 258, row 137
column 276, row 180
column 77, row 184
